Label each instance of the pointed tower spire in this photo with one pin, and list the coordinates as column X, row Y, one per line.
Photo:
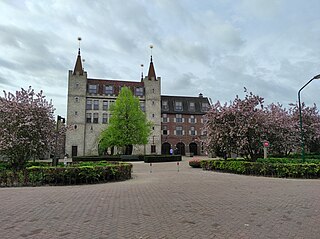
column 78, row 65
column 151, row 72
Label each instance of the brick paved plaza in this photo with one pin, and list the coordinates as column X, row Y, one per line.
column 166, row 204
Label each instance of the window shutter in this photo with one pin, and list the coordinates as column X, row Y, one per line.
column 174, row 120
column 182, row 120
column 174, row 132
column 195, row 120
column 196, row 133
column 167, row 132
column 182, row 132
column 189, row 132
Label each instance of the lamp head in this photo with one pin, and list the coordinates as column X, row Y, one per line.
column 317, row 77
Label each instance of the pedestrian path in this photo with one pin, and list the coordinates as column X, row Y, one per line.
column 165, row 203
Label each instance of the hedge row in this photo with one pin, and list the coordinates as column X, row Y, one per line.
column 37, row 175
column 161, row 158
column 281, row 170
column 145, row 158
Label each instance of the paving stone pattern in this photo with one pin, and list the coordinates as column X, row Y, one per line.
column 166, row 203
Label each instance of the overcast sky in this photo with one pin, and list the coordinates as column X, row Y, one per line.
column 271, row 47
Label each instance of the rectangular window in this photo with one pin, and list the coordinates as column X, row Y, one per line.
column 105, row 105
column 104, row 118
column 204, row 107
column 179, row 118
column 164, row 130
column 179, row 130
column 108, row 90
column 153, row 149
column 139, row 91
column 88, row 117
column 95, row 118
column 142, row 106
column 96, row 104
column 192, row 106
column 74, row 151
column 192, row 130
column 165, row 105
column 164, row 118
column 89, row 104
column 110, row 115
column 192, row 119
column 93, row 89
column 178, row 106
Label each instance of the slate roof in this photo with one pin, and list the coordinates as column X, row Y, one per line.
column 185, row 104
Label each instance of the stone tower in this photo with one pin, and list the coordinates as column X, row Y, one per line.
column 76, row 110
column 152, row 86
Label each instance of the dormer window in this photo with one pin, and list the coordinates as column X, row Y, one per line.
column 165, row 105
column 178, row 106
column 108, row 90
column 204, row 106
column 192, row 106
column 92, row 89
column 139, row 91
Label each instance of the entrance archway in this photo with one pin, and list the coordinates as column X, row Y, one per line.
column 165, row 148
column 180, row 148
column 193, row 148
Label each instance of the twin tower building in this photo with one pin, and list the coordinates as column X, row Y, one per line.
column 177, row 120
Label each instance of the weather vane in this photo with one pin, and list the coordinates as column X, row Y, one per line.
column 151, row 46
column 79, row 39
column 141, row 71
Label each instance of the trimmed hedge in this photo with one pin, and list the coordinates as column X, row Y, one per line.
column 161, row 158
column 71, row 175
column 281, row 170
column 108, row 158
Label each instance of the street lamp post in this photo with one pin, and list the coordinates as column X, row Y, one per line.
column 56, row 156
column 300, row 115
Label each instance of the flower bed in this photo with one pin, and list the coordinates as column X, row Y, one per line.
column 195, row 163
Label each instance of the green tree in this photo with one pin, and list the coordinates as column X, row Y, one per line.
column 128, row 124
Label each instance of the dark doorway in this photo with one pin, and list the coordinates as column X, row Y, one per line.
column 180, row 148
column 129, row 149
column 74, row 151
column 193, row 148
column 165, row 148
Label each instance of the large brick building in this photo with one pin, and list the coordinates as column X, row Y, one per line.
column 177, row 120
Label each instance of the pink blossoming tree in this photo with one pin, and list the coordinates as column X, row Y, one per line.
column 244, row 124
column 27, row 126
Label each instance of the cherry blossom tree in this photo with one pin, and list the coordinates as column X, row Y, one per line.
column 27, row 126
column 244, row 124
column 311, row 125
column 238, row 127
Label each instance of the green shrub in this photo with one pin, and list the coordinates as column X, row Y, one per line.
column 287, row 160
column 75, row 174
column 161, row 158
column 283, row 170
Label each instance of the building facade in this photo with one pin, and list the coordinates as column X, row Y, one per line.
column 176, row 121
